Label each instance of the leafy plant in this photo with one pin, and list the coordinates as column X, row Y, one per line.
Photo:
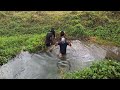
column 107, row 69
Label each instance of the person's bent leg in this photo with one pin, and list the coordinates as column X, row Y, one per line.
column 48, row 46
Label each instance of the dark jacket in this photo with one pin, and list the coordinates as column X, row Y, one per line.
column 48, row 38
column 63, row 47
column 53, row 32
column 62, row 33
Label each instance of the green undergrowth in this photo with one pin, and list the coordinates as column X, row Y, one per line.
column 11, row 46
column 107, row 69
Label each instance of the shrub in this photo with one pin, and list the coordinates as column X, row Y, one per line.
column 107, row 69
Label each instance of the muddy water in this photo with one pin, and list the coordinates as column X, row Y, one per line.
column 44, row 65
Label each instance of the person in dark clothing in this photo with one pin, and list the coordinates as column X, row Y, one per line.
column 62, row 33
column 53, row 35
column 48, row 40
column 63, row 46
column 53, row 32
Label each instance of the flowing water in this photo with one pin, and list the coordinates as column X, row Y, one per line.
column 44, row 65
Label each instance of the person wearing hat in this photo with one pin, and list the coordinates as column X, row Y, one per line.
column 63, row 46
column 50, row 37
column 48, row 40
column 53, row 35
column 62, row 34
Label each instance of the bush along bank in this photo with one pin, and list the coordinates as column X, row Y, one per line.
column 106, row 69
column 11, row 46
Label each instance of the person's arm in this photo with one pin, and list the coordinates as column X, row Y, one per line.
column 68, row 43
column 56, row 43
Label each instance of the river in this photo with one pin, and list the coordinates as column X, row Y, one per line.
column 44, row 65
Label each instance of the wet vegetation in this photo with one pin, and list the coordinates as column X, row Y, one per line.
column 107, row 69
column 26, row 30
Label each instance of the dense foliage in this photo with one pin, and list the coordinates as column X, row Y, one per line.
column 107, row 69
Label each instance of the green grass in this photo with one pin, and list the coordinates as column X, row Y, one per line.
column 11, row 46
column 107, row 69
